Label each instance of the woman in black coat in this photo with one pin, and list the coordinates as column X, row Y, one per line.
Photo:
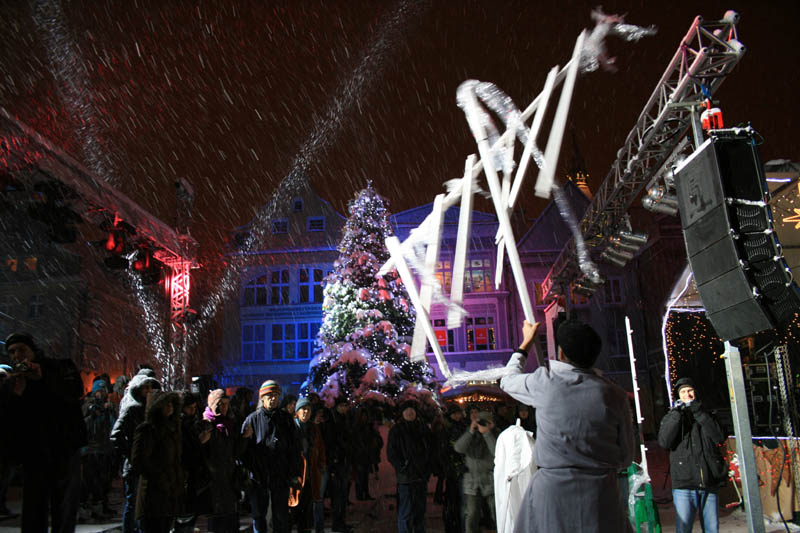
column 221, row 451
column 156, row 459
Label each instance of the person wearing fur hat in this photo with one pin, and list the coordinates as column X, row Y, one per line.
column 156, row 460
column 221, row 451
column 43, row 410
column 584, row 436
column 410, row 449
column 131, row 414
column 697, row 468
column 272, row 459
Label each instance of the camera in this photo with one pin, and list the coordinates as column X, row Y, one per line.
column 482, row 422
column 21, row 368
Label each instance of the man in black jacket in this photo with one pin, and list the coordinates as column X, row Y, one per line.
column 409, row 450
column 46, row 423
column 697, row 468
column 272, row 458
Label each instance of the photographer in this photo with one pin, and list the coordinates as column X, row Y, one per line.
column 98, row 456
column 44, row 416
column 693, row 436
column 477, row 444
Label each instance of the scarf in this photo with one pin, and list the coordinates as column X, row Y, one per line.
column 222, row 423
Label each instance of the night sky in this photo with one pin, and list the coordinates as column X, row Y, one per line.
column 229, row 94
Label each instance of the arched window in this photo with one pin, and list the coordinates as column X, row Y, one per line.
column 297, row 205
column 255, row 292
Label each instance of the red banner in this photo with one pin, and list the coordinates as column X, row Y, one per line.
column 481, row 336
column 441, row 336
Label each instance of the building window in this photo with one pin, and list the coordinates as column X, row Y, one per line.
column 480, row 333
column 280, row 226
column 612, row 291
column 7, row 302
column 254, row 342
column 446, row 337
column 311, row 285
column 444, row 273
column 35, row 306
column 297, row 205
column 478, row 275
column 279, row 285
column 30, row 263
column 11, row 264
column 315, row 223
column 255, row 292
column 293, row 341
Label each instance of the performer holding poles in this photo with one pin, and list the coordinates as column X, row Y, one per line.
column 584, row 436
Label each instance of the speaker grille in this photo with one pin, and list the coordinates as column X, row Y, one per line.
column 749, row 218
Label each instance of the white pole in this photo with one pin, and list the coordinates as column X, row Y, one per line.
column 635, row 381
column 418, row 345
column 454, row 315
column 396, row 251
column 545, row 182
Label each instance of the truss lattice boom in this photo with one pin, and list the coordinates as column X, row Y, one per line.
column 706, row 55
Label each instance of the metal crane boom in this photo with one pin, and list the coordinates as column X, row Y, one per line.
column 706, row 55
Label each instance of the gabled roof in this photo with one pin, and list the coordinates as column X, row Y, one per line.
column 550, row 232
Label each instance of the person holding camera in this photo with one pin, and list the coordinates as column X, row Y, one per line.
column 698, row 470
column 48, row 431
column 477, row 445
column 98, row 456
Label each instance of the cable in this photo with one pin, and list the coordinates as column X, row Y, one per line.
column 783, row 445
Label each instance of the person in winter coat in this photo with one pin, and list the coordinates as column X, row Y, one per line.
column 452, row 469
column 693, row 438
column 313, row 451
column 221, row 450
column 45, row 419
column 131, row 414
column 367, row 444
column 98, row 455
column 584, row 436
column 156, row 460
column 409, row 450
column 195, row 473
column 338, row 446
column 272, row 458
column 527, row 418
column 477, row 445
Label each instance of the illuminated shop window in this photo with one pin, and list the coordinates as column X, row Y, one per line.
column 480, row 333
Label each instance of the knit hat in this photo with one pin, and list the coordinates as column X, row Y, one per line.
column 6, row 368
column 214, row 397
column 24, row 338
column 268, row 387
column 580, row 343
column 99, row 384
column 302, row 402
column 683, row 382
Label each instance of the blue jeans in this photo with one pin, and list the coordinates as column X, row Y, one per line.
column 411, row 501
column 130, row 484
column 689, row 502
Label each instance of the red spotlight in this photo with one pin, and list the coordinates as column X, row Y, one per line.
column 143, row 261
column 110, row 244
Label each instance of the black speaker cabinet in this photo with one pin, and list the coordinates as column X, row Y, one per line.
column 738, row 266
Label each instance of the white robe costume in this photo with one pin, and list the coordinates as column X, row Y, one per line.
column 513, row 469
column 584, row 437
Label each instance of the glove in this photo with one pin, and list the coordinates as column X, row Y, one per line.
column 679, row 405
column 295, row 483
column 695, row 406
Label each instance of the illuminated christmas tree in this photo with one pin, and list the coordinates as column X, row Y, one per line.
column 362, row 353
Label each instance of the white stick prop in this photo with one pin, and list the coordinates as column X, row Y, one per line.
column 396, row 250
column 530, row 146
column 418, row 345
column 455, row 314
column 469, row 103
column 639, row 417
column 545, row 182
